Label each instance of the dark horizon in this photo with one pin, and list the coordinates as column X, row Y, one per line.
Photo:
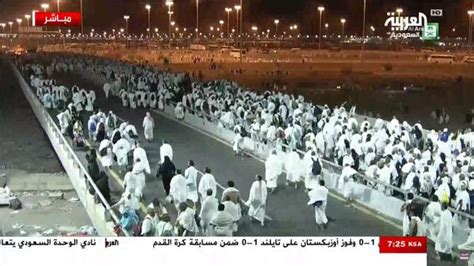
column 102, row 14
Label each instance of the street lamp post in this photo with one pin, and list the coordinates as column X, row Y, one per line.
column 27, row 17
column 326, row 27
column 3, row 25
column 228, row 10
column 10, row 23
column 82, row 19
column 343, row 23
column 169, row 3
column 399, row 11
column 44, row 6
column 19, row 20
column 126, row 17
column 320, row 9
column 363, row 33
column 197, row 18
column 148, row 8
column 276, row 21
column 221, row 22
column 469, row 38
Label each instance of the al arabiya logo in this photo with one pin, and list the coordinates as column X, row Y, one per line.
column 411, row 27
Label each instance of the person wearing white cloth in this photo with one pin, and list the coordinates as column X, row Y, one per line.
column 318, row 199
column 221, row 223
column 148, row 125
column 191, row 179
column 140, row 153
column 273, row 169
column 444, row 239
column 178, row 188
column 208, row 210
column 234, row 210
column 139, row 172
column 148, row 224
column 207, row 182
column 258, row 200
column 186, row 222
column 127, row 201
column 105, row 151
column 121, row 149
column 432, row 216
column 293, row 168
column 130, row 181
column 463, row 204
column 166, row 150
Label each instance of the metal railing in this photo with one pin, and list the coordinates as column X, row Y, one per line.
column 65, row 151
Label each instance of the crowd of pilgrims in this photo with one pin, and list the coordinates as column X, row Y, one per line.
column 119, row 146
column 435, row 165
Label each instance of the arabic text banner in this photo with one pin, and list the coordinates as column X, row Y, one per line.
column 200, row 251
column 63, row 19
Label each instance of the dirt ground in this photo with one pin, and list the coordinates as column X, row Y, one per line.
column 23, row 144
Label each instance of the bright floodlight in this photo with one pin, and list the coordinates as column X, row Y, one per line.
column 148, row 7
column 470, row 12
column 221, row 22
column 321, row 8
column 19, row 20
column 10, row 23
column 169, row 2
column 126, row 17
column 276, row 21
column 44, row 6
column 27, row 16
column 254, row 28
column 343, row 20
column 399, row 10
column 228, row 9
column 237, row 8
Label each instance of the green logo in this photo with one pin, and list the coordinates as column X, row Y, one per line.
column 431, row 32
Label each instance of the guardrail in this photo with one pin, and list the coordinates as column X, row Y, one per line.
column 79, row 176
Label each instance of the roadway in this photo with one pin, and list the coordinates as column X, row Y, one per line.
column 287, row 208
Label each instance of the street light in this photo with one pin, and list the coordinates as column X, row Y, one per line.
column 44, row 6
column 27, row 17
column 10, row 23
column 197, row 18
column 276, row 21
column 237, row 9
column 363, row 33
column 399, row 11
column 148, row 8
column 169, row 3
column 126, row 17
column 470, row 13
column 228, row 10
column 3, row 25
column 19, row 20
column 343, row 23
column 321, row 10
column 326, row 27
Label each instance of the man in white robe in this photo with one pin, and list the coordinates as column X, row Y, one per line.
column 444, row 239
column 221, row 223
column 140, row 153
column 179, row 111
column 105, row 151
column 293, row 168
column 166, row 150
column 318, row 199
column 208, row 210
column 148, row 126
column 431, row 218
column 121, row 149
column 207, row 182
column 463, row 203
column 191, row 180
column 139, row 172
column 273, row 169
column 257, row 201
column 186, row 221
column 178, row 189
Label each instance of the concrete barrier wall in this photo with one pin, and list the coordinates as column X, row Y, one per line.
column 71, row 163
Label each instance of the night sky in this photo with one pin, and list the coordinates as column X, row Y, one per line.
column 106, row 14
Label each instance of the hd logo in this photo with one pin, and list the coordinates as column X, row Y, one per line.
column 436, row 12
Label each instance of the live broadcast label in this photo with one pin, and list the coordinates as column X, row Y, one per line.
column 63, row 19
column 399, row 244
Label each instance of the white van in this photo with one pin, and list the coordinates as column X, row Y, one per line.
column 441, row 58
